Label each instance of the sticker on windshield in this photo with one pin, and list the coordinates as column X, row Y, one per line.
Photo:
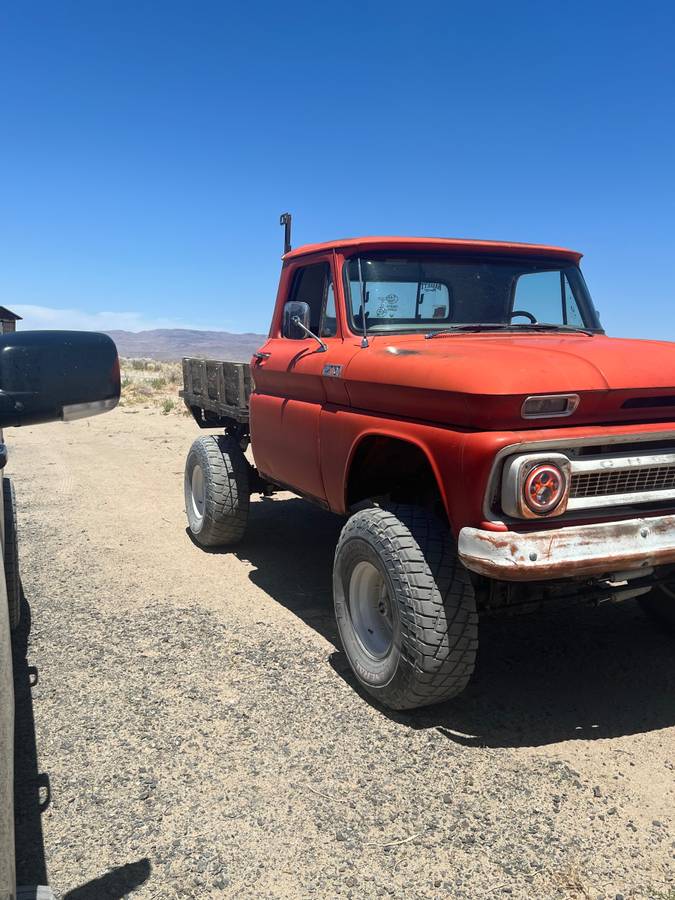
column 388, row 307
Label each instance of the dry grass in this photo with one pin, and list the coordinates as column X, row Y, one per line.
column 571, row 883
column 152, row 385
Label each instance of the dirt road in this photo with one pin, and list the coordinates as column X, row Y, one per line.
column 203, row 737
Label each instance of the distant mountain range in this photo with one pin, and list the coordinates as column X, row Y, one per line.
column 174, row 343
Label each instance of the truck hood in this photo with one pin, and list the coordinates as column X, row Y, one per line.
column 481, row 380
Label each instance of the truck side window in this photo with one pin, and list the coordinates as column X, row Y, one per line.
column 309, row 286
column 329, row 320
column 574, row 316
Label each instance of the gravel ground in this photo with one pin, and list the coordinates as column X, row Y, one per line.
column 203, row 736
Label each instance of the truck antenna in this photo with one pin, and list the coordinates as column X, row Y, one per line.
column 364, row 339
column 285, row 220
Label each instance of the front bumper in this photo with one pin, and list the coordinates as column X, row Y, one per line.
column 569, row 552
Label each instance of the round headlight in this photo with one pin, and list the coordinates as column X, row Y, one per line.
column 544, row 488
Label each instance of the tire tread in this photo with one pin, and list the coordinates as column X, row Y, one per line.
column 227, row 494
column 437, row 609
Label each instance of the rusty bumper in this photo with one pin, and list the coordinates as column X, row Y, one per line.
column 569, row 552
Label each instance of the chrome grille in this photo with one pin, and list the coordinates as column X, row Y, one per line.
column 627, row 481
column 611, row 474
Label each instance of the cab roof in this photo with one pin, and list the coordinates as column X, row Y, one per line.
column 451, row 245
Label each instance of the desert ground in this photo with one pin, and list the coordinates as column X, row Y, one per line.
column 188, row 726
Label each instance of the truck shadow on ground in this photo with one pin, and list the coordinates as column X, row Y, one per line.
column 32, row 790
column 584, row 673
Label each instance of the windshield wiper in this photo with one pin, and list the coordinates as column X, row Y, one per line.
column 470, row 326
column 508, row 326
column 553, row 326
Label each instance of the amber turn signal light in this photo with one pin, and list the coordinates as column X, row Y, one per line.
column 549, row 406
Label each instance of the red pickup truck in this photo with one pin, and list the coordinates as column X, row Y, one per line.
column 459, row 402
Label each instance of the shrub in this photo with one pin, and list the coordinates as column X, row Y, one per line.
column 167, row 406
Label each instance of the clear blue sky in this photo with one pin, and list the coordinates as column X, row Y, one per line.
column 147, row 149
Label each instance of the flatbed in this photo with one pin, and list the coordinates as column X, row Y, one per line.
column 216, row 391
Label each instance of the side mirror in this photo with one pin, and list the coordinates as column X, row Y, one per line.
column 293, row 309
column 46, row 376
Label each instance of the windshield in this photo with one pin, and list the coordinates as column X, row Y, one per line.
column 427, row 293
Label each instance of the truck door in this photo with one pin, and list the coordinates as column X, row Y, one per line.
column 290, row 386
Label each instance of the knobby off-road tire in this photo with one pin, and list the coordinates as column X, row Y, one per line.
column 12, row 574
column 217, row 492
column 659, row 604
column 405, row 561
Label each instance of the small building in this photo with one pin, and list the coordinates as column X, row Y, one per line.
column 8, row 320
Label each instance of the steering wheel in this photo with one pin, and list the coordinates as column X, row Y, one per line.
column 523, row 312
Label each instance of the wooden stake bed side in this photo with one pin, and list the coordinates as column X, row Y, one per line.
column 217, row 386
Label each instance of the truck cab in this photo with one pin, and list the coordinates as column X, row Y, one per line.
column 490, row 446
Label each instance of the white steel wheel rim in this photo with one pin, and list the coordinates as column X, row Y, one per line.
column 370, row 609
column 197, row 492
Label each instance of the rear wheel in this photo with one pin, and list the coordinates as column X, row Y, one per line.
column 405, row 607
column 217, row 491
column 12, row 575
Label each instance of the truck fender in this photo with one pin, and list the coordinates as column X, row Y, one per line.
column 411, row 441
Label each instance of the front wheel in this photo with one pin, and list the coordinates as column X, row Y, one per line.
column 217, row 491
column 405, row 607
